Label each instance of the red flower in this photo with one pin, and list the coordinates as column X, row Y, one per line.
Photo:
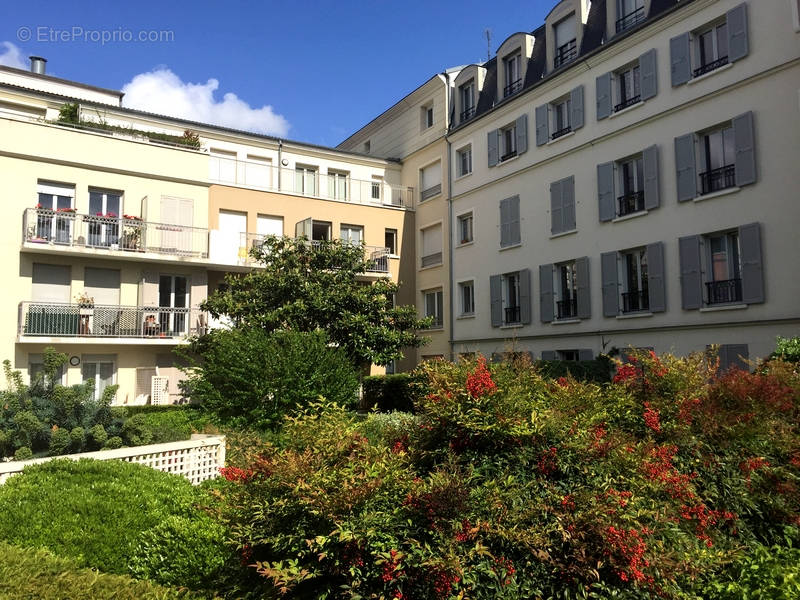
column 652, row 418
column 236, row 474
column 479, row 382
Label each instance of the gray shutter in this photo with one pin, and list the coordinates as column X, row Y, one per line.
column 680, row 67
column 738, row 45
column 504, row 224
column 556, row 212
column 733, row 355
column 546, row 313
column 148, row 289
column 685, row 167
column 691, row 273
column 752, row 269
column 608, row 268
column 605, row 191
column 304, row 228
column 568, row 203
column 496, row 297
column 648, row 74
column 745, row 149
column 522, row 134
column 603, row 96
column 576, row 108
column 525, row 296
column 656, row 282
column 585, row 354
column 542, row 125
column 583, row 290
column 548, row 355
column 494, row 151
column 651, row 184
column 512, row 221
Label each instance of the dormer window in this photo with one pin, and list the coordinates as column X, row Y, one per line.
column 467, row 95
column 629, row 13
column 512, row 69
column 566, row 47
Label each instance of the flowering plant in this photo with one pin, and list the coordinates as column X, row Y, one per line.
column 84, row 300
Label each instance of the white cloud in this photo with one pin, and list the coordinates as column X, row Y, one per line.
column 161, row 91
column 11, row 56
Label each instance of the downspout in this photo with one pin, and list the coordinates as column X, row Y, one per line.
column 280, row 164
column 450, row 270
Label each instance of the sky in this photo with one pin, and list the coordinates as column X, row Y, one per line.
column 308, row 71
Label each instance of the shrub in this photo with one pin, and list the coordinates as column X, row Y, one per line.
column 788, row 349
column 248, row 377
column 389, row 392
column 113, row 443
column 597, row 370
column 23, row 453
column 135, row 431
column 98, row 436
column 60, row 441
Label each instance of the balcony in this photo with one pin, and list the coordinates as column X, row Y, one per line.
column 631, row 19
column 67, row 230
column 40, row 321
column 630, row 203
column 565, row 53
column 561, row 132
column 467, row 114
column 711, row 66
column 512, row 315
column 718, row 179
column 512, row 88
column 507, row 155
column 635, row 301
column 567, row 309
column 724, row 292
column 431, row 260
column 627, row 102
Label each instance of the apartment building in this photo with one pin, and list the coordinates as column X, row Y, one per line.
column 120, row 224
column 623, row 175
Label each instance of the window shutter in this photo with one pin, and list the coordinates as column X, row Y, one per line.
column 542, row 126
column 752, row 269
column 691, row 274
column 680, row 67
column 494, row 150
column 733, row 356
column 608, row 268
column 568, row 203
column 603, row 96
column 648, row 74
column 556, row 212
column 576, row 108
column 585, row 354
column 685, row 167
column 525, row 296
column 148, row 289
column 744, row 142
column 605, row 191
column 546, row 296
column 583, row 290
column 651, row 184
column 738, row 45
column 513, row 221
column 548, row 355
column 656, row 282
column 522, row 134
column 496, row 298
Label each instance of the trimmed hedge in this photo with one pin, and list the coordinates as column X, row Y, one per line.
column 598, row 370
column 389, row 392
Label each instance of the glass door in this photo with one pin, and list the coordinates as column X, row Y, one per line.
column 103, row 220
column 55, row 214
column 173, row 294
column 101, row 371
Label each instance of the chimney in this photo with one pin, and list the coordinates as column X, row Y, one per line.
column 38, row 64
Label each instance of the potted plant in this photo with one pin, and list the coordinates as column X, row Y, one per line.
column 131, row 232
column 85, row 303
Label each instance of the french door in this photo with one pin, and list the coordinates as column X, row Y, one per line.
column 53, row 222
column 173, row 294
column 103, row 219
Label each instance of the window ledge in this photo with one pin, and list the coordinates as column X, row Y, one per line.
column 464, row 176
column 511, row 247
column 563, row 233
column 565, row 321
column 436, row 266
column 641, row 213
column 720, row 307
column 511, row 326
column 709, row 74
column 725, row 192
column 637, row 315
column 466, row 316
column 626, row 109
column 433, row 329
column 429, row 198
column 508, row 160
column 469, row 243
column 558, row 139
column 393, row 255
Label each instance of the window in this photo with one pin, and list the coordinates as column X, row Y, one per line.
column 103, row 222
column 338, row 184
column 351, row 234
column 465, row 161
column 36, row 371
column 434, row 307
column 391, row 367
column 712, row 49
column 222, row 166
column 390, row 240
column 173, row 302
column 635, row 296
column 367, row 147
column 723, row 273
column 564, row 291
column 508, row 142
column 571, row 355
column 101, row 369
column 305, row 180
column 466, row 293
column 430, row 181
column 567, row 290
column 258, row 171
column 631, row 184
column 466, row 93
column 733, row 356
column 566, row 48
column 718, row 160
column 376, row 190
column 431, row 246
column 628, row 87
column 511, row 307
column 50, row 283
column 510, row 234
column 54, row 216
column 427, row 117
column 512, row 69
column 465, row 228
column 321, row 231
column 629, row 13
column 561, row 118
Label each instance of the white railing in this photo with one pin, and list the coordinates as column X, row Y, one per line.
column 197, row 459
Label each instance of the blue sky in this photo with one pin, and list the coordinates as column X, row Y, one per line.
column 311, row 71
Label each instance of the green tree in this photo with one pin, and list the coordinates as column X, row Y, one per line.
column 308, row 287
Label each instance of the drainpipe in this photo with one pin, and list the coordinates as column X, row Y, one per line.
column 450, row 271
column 280, row 166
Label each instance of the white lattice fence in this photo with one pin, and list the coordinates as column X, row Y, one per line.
column 197, row 459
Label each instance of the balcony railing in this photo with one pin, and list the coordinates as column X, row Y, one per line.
column 48, row 319
column 710, row 66
column 631, row 19
column 561, row 132
column 430, row 192
column 630, row 203
column 718, row 179
column 725, row 291
column 635, row 301
column 512, row 315
column 508, row 155
column 512, row 88
column 627, row 102
column 311, row 183
column 106, row 232
column 467, row 114
column 565, row 53
column 568, row 308
column 431, row 259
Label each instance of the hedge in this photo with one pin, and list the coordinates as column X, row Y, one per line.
column 597, row 370
column 389, row 392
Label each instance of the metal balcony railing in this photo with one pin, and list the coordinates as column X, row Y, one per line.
column 512, row 88
column 631, row 19
column 565, row 53
column 710, row 66
column 431, row 259
column 567, row 308
column 48, row 319
column 512, row 315
column 718, row 179
column 627, row 102
column 508, row 155
column 561, row 132
column 725, row 291
column 113, row 233
column 430, row 192
column 630, row 203
column 635, row 301
column 467, row 113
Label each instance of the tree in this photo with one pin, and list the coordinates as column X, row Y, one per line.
column 310, row 286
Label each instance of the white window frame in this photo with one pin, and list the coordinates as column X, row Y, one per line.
column 467, row 218
column 440, row 252
column 630, row 72
column 697, row 46
column 393, row 232
column 466, row 91
column 426, row 116
column 464, row 154
column 510, row 287
column 639, row 255
column 436, row 294
column 733, row 256
column 335, row 179
column 508, row 142
column 349, row 229
column 561, row 107
column 37, row 360
column 512, row 72
column 466, row 299
column 565, row 276
column 703, row 160
column 305, row 174
column 97, row 360
column 376, row 189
